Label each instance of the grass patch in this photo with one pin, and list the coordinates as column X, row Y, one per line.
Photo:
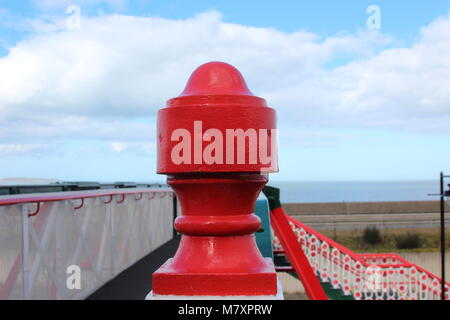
column 391, row 240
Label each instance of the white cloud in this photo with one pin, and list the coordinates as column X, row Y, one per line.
column 399, row 87
column 77, row 128
column 147, row 148
column 95, row 82
column 128, row 66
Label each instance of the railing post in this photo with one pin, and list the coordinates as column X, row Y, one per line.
column 216, row 143
column 25, row 252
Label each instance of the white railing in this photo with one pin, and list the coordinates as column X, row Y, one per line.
column 365, row 276
column 45, row 239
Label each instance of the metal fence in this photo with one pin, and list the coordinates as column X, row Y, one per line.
column 48, row 240
column 70, row 186
column 385, row 276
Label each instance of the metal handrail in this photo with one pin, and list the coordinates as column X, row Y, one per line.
column 117, row 233
column 408, row 270
column 74, row 195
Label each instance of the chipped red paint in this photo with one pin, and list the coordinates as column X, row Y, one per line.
column 218, row 255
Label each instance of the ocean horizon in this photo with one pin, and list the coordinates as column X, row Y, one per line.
column 324, row 191
column 356, row 191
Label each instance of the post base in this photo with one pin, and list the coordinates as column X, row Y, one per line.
column 278, row 296
column 261, row 282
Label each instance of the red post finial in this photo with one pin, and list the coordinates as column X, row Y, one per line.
column 216, row 141
column 216, row 78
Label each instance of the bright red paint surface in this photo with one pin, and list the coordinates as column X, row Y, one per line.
column 218, row 255
column 295, row 255
column 216, row 78
column 216, row 95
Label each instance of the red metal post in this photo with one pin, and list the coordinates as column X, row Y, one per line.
column 207, row 147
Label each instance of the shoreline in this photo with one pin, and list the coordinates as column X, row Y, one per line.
column 363, row 207
column 359, row 215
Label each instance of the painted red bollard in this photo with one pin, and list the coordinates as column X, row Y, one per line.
column 216, row 143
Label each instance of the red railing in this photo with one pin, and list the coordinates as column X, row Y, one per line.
column 364, row 276
column 296, row 256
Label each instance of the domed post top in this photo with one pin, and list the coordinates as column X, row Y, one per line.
column 216, row 143
column 217, row 125
column 216, row 78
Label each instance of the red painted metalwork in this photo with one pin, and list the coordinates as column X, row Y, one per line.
column 109, row 201
column 122, row 199
column 218, row 255
column 217, row 95
column 347, row 261
column 295, row 255
column 38, row 207
column 81, row 205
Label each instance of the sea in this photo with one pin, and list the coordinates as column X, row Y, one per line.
column 332, row 191
column 356, row 191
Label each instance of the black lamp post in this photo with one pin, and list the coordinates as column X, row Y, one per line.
column 442, row 195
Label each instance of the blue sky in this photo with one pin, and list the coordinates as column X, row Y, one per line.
column 401, row 17
column 352, row 103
